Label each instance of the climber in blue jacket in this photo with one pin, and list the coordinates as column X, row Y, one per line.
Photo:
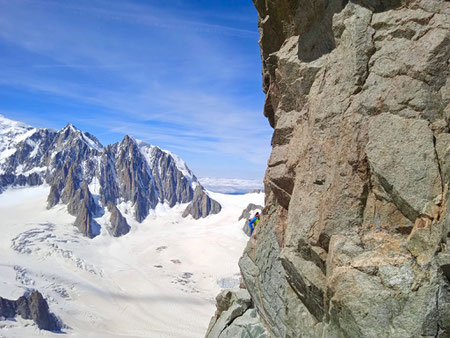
column 253, row 222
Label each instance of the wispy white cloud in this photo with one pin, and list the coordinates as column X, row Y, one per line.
column 161, row 76
column 188, row 120
column 149, row 15
column 87, row 66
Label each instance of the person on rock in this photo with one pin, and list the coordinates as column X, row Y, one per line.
column 253, row 222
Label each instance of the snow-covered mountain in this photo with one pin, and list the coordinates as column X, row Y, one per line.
column 11, row 133
column 93, row 180
column 159, row 280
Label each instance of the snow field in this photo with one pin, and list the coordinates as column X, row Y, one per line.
column 160, row 280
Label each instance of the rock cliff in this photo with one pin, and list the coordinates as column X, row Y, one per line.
column 119, row 224
column 31, row 306
column 354, row 239
column 201, row 205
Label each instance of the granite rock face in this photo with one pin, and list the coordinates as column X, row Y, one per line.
column 32, row 306
column 119, row 224
column 90, row 178
column 235, row 317
column 354, row 240
column 201, row 205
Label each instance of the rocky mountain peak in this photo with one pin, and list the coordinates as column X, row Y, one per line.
column 70, row 128
column 8, row 126
column 11, row 134
column 72, row 135
column 128, row 140
column 89, row 178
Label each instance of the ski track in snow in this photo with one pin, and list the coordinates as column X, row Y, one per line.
column 160, row 280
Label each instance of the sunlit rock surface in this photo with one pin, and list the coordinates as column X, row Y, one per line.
column 354, row 237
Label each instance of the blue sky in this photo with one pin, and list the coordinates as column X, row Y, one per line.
column 183, row 75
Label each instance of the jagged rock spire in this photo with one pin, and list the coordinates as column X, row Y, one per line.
column 202, row 205
column 77, row 168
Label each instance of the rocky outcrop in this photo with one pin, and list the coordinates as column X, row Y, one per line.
column 119, row 224
column 201, row 205
column 235, row 317
column 84, row 220
column 30, row 306
column 19, row 180
column 80, row 203
column 355, row 234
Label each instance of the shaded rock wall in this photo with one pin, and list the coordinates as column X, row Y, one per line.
column 119, row 224
column 201, row 205
column 354, row 239
column 31, row 306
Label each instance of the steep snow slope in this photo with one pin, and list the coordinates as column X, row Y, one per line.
column 159, row 280
column 11, row 133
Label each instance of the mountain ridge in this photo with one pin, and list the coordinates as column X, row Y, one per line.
column 88, row 177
